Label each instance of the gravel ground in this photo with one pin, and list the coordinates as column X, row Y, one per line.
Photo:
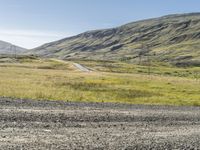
column 26, row 124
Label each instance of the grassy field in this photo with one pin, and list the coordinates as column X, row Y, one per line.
column 109, row 82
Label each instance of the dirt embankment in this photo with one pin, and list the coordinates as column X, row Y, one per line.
column 26, row 124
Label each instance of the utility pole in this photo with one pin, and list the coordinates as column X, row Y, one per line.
column 149, row 64
column 145, row 51
column 140, row 57
column 141, row 53
column 147, row 54
column 15, row 52
column 10, row 49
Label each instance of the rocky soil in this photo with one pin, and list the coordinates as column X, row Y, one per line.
column 27, row 124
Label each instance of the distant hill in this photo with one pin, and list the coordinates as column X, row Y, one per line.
column 8, row 48
column 173, row 38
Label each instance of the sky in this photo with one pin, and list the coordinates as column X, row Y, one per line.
column 31, row 23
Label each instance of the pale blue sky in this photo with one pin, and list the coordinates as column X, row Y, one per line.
column 30, row 23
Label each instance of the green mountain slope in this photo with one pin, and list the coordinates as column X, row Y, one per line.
column 173, row 38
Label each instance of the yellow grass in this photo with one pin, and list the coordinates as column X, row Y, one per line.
column 54, row 80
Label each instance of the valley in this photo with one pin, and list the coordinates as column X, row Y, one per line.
column 99, row 75
column 135, row 86
column 52, row 79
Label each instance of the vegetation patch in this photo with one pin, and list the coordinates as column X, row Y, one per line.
column 122, row 84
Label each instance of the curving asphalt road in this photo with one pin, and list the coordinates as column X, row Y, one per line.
column 27, row 124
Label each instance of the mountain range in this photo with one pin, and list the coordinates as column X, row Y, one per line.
column 174, row 39
column 8, row 48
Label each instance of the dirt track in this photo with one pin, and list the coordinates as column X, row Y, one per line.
column 26, row 124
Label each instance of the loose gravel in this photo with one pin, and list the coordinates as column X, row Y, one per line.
column 28, row 124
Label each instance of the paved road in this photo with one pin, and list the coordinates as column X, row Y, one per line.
column 78, row 66
column 81, row 68
column 26, row 124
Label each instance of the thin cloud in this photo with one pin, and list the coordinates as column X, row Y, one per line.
column 30, row 33
column 30, row 38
